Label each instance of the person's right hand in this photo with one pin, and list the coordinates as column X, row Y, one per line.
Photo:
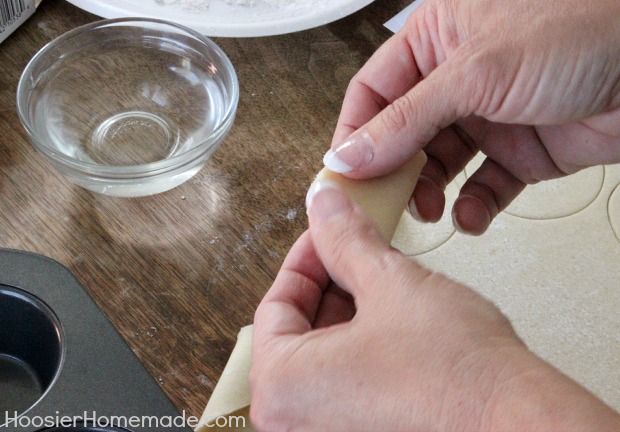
column 354, row 336
column 533, row 85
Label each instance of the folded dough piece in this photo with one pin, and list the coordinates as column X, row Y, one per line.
column 228, row 408
column 382, row 199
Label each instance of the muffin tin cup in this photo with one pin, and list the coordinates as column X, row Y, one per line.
column 31, row 351
column 63, row 367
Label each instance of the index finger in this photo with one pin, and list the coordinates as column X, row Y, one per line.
column 389, row 73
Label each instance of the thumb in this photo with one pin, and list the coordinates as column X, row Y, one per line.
column 405, row 126
column 348, row 244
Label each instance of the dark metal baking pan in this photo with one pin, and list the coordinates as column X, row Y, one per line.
column 61, row 359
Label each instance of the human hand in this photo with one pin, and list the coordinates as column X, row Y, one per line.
column 354, row 336
column 535, row 86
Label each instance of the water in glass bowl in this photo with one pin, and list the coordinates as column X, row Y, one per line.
column 127, row 105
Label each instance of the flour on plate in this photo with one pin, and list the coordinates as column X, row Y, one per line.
column 276, row 3
column 203, row 5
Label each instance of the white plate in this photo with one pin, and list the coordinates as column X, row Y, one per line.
column 222, row 19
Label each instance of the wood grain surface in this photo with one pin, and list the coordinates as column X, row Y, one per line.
column 179, row 273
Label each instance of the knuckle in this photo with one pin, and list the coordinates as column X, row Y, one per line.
column 397, row 115
column 390, row 262
column 341, row 246
column 353, row 85
column 487, row 76
column 347, row 247
column 405, row 271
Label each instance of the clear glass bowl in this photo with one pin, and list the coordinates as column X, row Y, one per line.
column 128, row 107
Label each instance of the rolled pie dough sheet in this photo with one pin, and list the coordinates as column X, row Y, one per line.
column 382, row 199
column 555, row 199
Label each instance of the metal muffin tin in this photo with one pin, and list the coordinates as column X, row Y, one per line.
column 61, row 359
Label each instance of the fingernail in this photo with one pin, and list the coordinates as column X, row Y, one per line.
column 325, row 200
column 356, row 152
column 455, row 221
column 472, row 210
column 316, row 187
column 413, row 211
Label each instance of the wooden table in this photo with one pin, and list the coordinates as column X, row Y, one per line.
column 179, row 273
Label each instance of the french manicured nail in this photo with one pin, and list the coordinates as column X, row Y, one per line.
column 325, row 200
column 455, row 221
column 356, row 152
column 413, row 211
column 475, row 211
column 316, row 187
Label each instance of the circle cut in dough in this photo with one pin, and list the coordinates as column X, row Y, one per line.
column 613, row 211
column 553, row 199
column 415, row 238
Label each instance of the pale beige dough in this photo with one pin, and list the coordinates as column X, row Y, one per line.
column 613, row 211
column 413, row 238
column 554, row 199
column 382, row 199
